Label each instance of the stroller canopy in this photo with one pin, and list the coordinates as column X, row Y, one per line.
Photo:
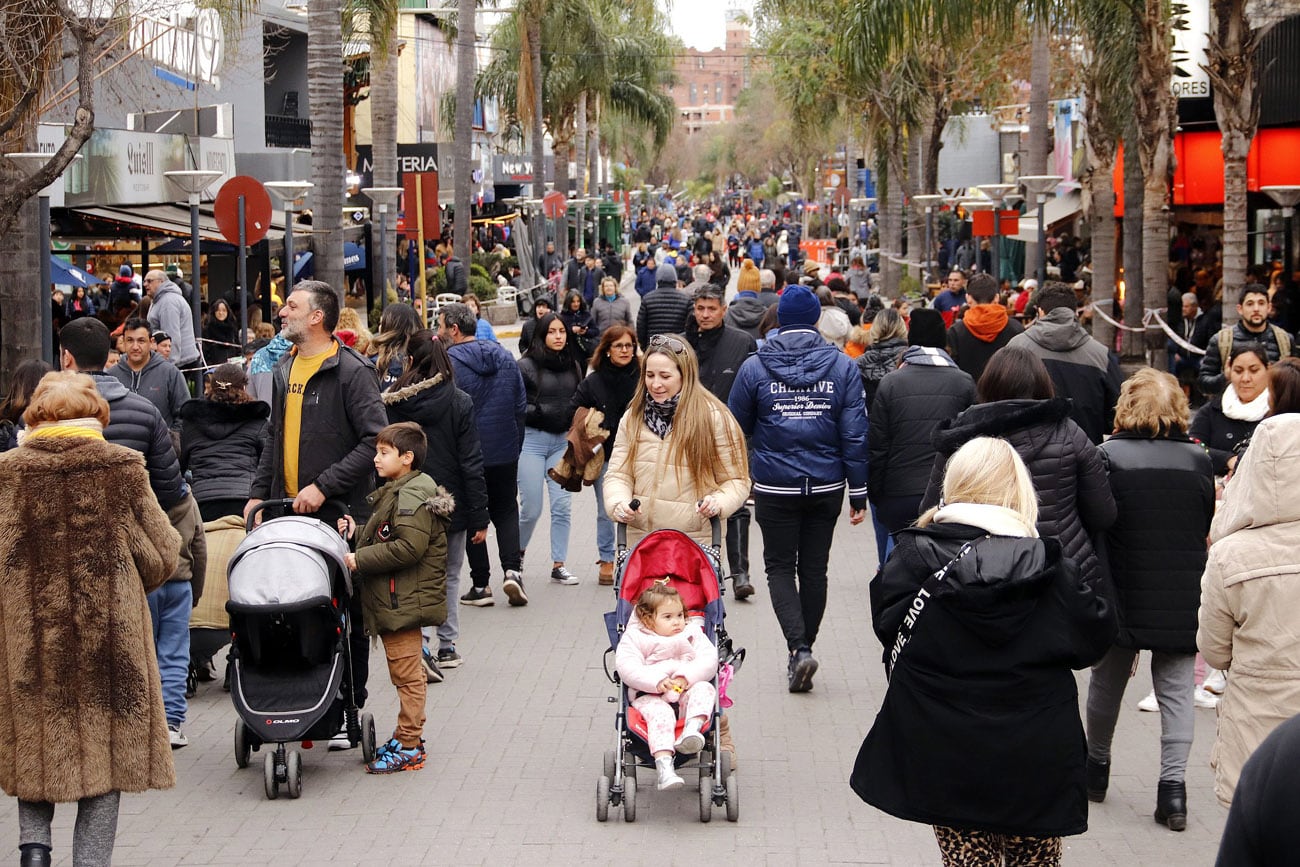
column 691, row 572
column 287, row 560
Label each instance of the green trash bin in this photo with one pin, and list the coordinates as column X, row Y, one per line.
column 610, row 223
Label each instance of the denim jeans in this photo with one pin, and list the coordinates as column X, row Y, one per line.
column 797, row 533
column 449, row 630
column 170, row 606
column 542, row 451
column 604, row 526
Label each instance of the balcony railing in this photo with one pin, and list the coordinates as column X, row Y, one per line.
column 283, row 131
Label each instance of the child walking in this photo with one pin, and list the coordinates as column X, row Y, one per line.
column 401, row 559
column 667, row 659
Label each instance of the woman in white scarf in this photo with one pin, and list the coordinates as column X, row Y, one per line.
column 1228, row 420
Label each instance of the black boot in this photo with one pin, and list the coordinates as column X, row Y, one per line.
column 1098, row 777
column 742, row 586
column 35, row 855
column 1171, row 805
column 738, row 553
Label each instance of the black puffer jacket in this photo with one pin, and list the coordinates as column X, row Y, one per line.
column 908, row 405
column 1074, row 499
column 221, row 444
column 980, row 724
column 1221, row 435
column 663, row 311
column 1164, row 491
column 609, row 389
column 550, row 381
column 134, row 422
column 455, row 458
column 876, row 362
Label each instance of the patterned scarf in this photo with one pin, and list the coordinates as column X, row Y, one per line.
column 659, row 416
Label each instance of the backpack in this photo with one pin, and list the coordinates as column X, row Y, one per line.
column 1225, row 344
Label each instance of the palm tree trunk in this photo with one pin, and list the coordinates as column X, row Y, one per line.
column 534, row 28
column 1155, row 113
column 1102, row 226
column 563, row 150
column 915, row 228
column 328, row 163
column 580, row 143
column 1040, row 79
column 383, row 137
column 889, row 218
column 20, row 297
column 1231, row 55
column 462, row 161
column 1134, row 193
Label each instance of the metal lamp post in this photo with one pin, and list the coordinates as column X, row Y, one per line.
column 929, row 202
column 1287, row 198
column 998, row 193
column 290, row 193
column 192, row 183
column 970, row 205
column 31, row 163
column 1041, row 187
column 383, row 197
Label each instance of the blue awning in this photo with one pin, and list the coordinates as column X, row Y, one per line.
column 186, row 245
column 64, row 273
column 303, row 261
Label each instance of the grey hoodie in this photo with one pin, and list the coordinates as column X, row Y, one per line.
column 171, row 314
column 159, row 381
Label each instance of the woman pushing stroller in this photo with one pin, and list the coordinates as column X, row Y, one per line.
column 666, row 658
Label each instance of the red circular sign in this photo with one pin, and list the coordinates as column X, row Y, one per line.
column 554, row 205
column 257, row 209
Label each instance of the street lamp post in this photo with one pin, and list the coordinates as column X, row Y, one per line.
column 971, row 205
column 30, row 163
column 998, row 193
column 382, row 198
column 929, row 202
column 1041, row 187
column 290, row 193
column 192, row 183
column 1287, row 198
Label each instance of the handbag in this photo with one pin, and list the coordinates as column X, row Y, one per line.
column 928, row 589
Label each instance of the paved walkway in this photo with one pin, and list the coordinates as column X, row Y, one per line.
column 516, row 737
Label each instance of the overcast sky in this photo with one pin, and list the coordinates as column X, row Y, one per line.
column 701, row 23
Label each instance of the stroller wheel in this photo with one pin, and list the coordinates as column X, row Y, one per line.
column 242, row 748
column 706, row 800
column 629, row 799
column 293, row 773
column 609, row 765
column 602, row 799
column 268, row 777
column 724, row 759
column 367, row 738
column 733, row 798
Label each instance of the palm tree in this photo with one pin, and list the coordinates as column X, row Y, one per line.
column 462, row 162
column 328, row 162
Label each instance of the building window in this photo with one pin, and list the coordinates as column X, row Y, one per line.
column 717, row 93
column 693, row 94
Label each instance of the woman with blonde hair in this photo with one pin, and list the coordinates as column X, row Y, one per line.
column 350, row 320
column 981, row 623
column 81, row 702
column 679, row 452
column 1163, row 485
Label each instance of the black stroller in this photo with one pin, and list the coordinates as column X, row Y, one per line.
column 669, row 552
column 290, row 663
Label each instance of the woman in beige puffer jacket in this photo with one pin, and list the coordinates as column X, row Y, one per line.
column 1249, row 595
column 679, row 451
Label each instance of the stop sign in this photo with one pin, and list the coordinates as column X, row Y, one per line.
column 257, row 209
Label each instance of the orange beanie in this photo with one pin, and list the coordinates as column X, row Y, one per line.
column 748, row 280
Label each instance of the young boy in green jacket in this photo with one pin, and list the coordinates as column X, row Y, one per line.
column 401, row 568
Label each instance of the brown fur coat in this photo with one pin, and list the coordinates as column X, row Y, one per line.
column 82, row 539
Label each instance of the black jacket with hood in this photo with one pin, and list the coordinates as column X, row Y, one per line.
column 454, row 459
column 1081, row 369
column 134, row 422
column 490, row 376
column 721, row 352
column 663, row 311
column 1074, row 498
column 745, row 313
column 980, row 729
column 221, row 445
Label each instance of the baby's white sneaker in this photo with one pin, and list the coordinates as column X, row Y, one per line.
column 691, row 741
column 668, row 778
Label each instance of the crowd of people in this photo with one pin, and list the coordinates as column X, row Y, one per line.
column 1034, row 512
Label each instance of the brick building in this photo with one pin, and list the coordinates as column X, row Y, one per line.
column 710, row 81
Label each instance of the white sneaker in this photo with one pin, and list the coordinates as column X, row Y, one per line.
column 691, row 741
column 1203, row 698
column 177, row 737
column 1215, row 681
column 1149, row 703
column 340, row 741
column 668, row 777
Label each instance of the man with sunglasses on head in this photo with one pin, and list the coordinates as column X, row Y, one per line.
column 721, row 349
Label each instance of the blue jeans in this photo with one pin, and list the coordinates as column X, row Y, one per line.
column 542, row 451
column 604, row 526
column 170, row 607
column 449, row 630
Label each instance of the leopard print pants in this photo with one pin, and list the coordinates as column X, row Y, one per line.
column 983, row 849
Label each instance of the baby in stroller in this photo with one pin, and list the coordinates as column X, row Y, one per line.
column 666, row 658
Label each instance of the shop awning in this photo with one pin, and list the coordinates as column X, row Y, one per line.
column 1056, row 209
column 63, row 273
column 165, row 219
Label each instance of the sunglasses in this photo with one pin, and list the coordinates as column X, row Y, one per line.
column 667, row 341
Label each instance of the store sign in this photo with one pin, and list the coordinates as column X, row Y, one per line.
column 1190, row 23
column 185, row 40
column 512, row 169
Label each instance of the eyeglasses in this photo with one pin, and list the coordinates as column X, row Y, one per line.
column 623, row 346
column 667, row 341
